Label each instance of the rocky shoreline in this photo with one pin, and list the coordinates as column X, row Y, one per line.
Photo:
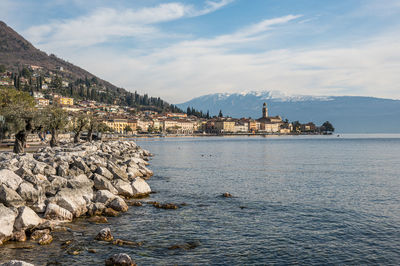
column 40, row 191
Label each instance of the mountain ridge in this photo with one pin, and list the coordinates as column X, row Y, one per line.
column 349, row 114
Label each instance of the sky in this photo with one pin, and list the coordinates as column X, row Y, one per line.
column 182, row 49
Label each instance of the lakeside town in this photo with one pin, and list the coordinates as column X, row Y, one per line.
column 46, row 86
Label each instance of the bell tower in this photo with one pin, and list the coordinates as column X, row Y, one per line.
column 265, row 110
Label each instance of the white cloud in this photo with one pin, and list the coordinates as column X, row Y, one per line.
column 105, row 24
column 183, row 71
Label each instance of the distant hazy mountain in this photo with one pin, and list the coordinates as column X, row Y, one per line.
column 349, row 114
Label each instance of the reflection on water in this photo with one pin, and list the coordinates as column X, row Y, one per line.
column 304, row 200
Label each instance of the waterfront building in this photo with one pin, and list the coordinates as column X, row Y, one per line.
column 269, row 124
column 117, row 124
column 224, row 126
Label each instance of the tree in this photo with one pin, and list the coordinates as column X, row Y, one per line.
column 296, row 126
column 128, row 129
column 26, row 73
column 327, row 127
column 93, row 126
column 220, row 114
column 20, row 116
column 56, row 119
column 79, row 124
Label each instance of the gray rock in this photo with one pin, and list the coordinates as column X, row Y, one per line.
column 74, row 200
column 39, row 168
column 26, row 219
column 56, row 183
column 104, row 172
column 55, row 212
column 62, row 169
column 104, row 196
column 102, row 183
column 16, row 263
column 79, row 163
column 10, row 179
column 140, row 187
column 9, row 197
column 123, row 188
column 118, row 204
column 96, row 208
column 117, row 172
column 29, row 193
column 79, row 181
column 24, row 171
column 7, row 218
column 49, row 170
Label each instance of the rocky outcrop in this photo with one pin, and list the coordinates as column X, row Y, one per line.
column 59, row 184
column 7, row 219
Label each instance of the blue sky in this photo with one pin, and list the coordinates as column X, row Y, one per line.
column 182, row 49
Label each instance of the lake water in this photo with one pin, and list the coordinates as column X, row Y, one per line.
column 297, row 200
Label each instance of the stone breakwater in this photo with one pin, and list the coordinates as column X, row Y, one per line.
column 38, row 191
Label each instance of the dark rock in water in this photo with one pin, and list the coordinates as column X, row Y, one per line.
column 19, row 236
column 166, row 206
column 91, row 250
column 98, row 219
column 105, row 235
column 37, row 234
column 121, row 259
column 227, row 195
column 186, row 246
column 110, row 212
column 45, row 239
column 135, row 203
column 121, row 242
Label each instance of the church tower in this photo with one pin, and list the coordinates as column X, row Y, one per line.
column 265, row 110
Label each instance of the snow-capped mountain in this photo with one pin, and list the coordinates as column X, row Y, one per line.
column 347, row 113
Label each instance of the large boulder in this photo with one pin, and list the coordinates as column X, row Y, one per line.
column 104, row 196
column 104, row 172
column 102, row 183
column 55, row 212
column 56, row 183
column 140, row 187
column 74, row 200
column 63, row 169
column 26, row 219
column 9, row 197
column 24, row 171
column 117, row 171
column 39, row 168
column 10, row 179
column 29, row 193
column 118, row 204
column 7, row 218
column 123, row 188
column 79, row 163
column 79, row 181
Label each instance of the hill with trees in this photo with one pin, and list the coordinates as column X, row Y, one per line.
column 20, row 57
